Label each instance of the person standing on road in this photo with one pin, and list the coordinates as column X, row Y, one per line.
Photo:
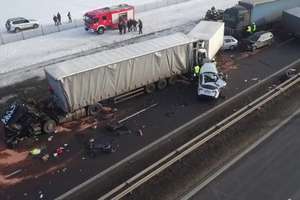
column 253, row 27
column 58, row 18
column 124, row 23
column 140, row 26
column 69, row 17
column 120, row 27
column 129, row 25
column 196, row 71
column 55, row 20
column 134, row 24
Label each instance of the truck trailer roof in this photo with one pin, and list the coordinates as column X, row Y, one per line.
column 255, row 2
column 85, row 63
column 205, row 30
column 294, row 11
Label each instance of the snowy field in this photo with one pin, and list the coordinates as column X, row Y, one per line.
column 16, row 59
column 43, row 10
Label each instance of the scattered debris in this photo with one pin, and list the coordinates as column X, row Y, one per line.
column 41, row 195
column 140, row 132
column 35, row 151
column 114, row 126
column 50, row 138
column 124, row 130
column 45, row 157
column 93, row 148
column 14, row 173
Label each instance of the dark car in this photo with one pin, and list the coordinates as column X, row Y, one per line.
column 258, row 40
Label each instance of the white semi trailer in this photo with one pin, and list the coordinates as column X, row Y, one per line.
column 78, row 85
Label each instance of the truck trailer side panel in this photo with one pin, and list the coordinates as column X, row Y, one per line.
column 86, row 80
column 264, row 12
column 291, row 20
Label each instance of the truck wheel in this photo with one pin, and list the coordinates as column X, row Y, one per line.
column 17, row 30
column 162, row 84
column 49, row 126
column 93, row 110
column 150, row 88
column 100, row 30
column 35, row 26
column 172, row 80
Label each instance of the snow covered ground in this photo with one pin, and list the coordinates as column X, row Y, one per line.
column 16, row 59
column 43, row 10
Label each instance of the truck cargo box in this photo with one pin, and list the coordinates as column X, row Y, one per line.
column 291, row 20
column 89, row 79
column 267, row 11
column 211, row 33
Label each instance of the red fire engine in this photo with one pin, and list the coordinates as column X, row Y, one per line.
column 107, row 18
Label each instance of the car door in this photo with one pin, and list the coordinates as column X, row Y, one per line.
column 260, row 41
column 20, row 24
column 27, row 24
column 226, row 43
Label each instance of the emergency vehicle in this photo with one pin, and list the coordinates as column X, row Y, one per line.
column 107, row 18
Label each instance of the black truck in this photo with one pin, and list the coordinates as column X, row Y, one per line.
column 260, row 12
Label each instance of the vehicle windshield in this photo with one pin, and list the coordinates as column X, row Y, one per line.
column 209, row 87
column 209, row 77
column 90, row 19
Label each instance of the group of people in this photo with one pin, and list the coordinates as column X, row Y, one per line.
column 130, row 25
column 57, row 18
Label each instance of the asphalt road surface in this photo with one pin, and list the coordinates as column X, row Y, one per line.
column 270, row 171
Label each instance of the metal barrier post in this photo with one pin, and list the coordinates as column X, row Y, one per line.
column 42, row 30
column 2, row 39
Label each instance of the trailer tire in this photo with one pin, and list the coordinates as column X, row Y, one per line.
column 93, row 110
column 49, row 126
column 172, row 80
column 150, row 88
column 162, row 84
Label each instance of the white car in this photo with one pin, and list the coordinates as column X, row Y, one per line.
column 210, row 81
column 230, row 43
column 18, row 24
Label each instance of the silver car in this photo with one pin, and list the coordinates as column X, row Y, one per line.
column 259, row 40
column 210, row 81
column 19, row 23
column 229, row 42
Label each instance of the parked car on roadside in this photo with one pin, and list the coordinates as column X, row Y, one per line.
column 19, row 23
column 229, row 42
column 259, row 39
